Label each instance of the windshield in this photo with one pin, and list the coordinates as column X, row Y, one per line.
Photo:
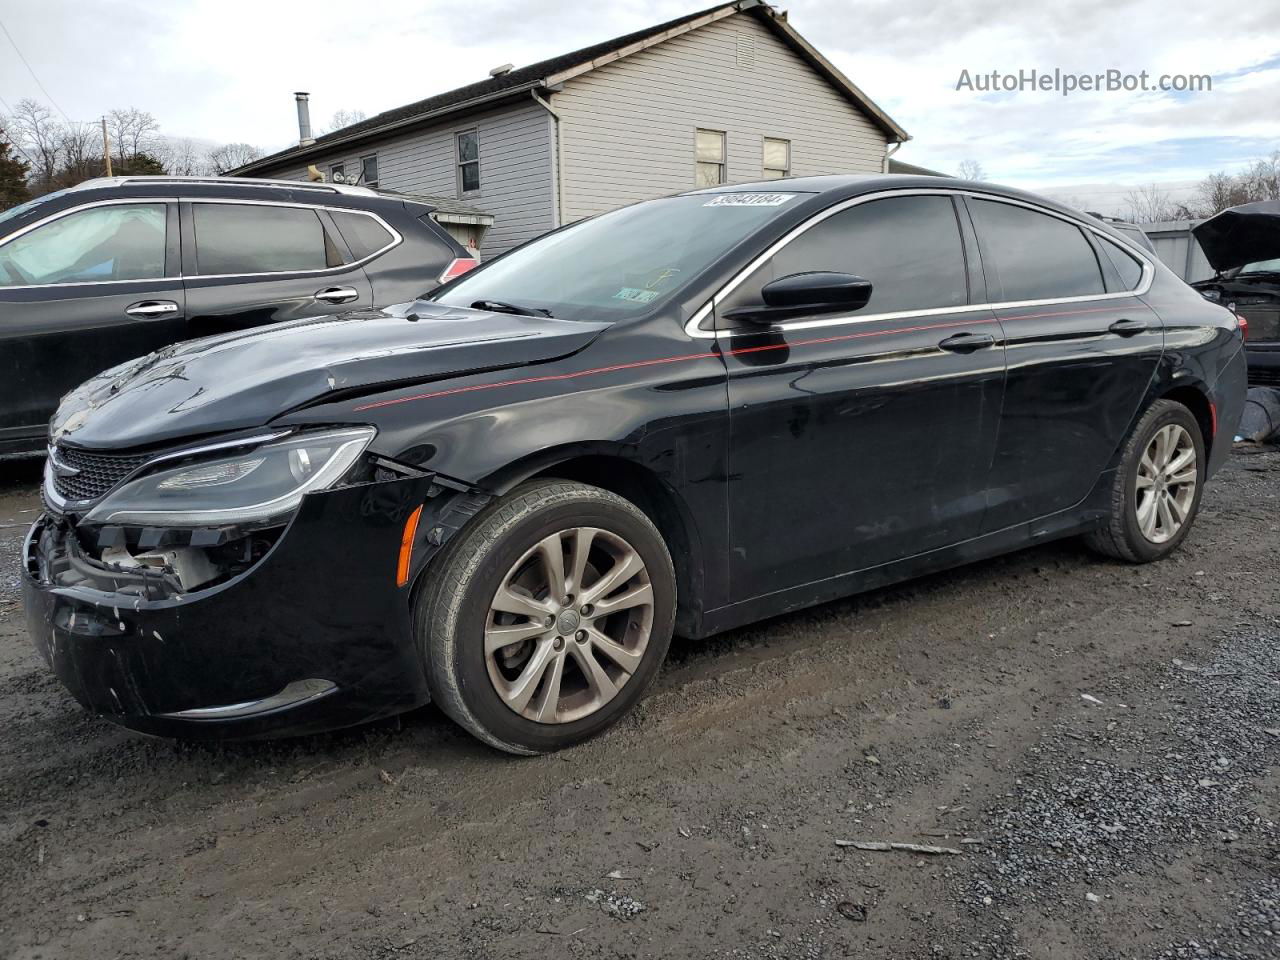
column 1261, row 266
column 622, row 263
column 30, row 205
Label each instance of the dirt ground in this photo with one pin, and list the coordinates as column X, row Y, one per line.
column 1098, row 742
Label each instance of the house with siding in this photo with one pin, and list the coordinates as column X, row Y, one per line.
column 728, row 94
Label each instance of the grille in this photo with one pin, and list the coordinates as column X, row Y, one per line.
column 1264, row 376
column 1264, row 320
column 99, row 472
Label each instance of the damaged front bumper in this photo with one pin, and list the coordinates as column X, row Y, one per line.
column 316, row 635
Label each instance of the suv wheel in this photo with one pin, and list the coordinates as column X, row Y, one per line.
column 545, row 621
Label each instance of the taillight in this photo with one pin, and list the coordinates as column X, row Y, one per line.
column 1242, row 324
column 459, row 266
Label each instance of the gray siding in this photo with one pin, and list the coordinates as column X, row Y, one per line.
column 516, row 184
column 628, row 128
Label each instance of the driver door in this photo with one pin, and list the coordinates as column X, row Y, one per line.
column 861, row 438
column 78, row 294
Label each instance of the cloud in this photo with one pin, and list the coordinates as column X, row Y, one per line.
column 226, row 70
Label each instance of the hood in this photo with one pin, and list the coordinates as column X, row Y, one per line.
column 1244, row 234
column 245, row 379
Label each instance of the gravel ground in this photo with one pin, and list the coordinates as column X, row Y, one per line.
column 1097, row 742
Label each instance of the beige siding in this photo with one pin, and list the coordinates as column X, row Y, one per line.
column 628, row 128
column 516, row 184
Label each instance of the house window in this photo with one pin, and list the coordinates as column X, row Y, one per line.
column 369, row 170
column 337, row 173
column 709, row 158
column 468, row 161
column 777, row 158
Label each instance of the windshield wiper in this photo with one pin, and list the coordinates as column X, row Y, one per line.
column 501, row 306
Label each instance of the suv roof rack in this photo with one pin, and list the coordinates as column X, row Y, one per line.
column 229, row 181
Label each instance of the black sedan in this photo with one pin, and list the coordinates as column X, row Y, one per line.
column 115, row 268
column 682, row 416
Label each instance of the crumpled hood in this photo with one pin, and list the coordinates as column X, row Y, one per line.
column 245, row 379
column 1244, row 234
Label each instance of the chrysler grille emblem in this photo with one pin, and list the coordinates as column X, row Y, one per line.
column 60, row 468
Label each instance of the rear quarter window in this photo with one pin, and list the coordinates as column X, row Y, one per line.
column 364, row 235
column 1127, row 265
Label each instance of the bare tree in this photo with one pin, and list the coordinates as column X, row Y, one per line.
column 181, row 158
column 1261, row 179
column 1150, row 204
column 231, row 155
column 81, row 149
column 133, row 132
column 1218, row 191
column 972, row 170
column 35, row 129
column 343, row 118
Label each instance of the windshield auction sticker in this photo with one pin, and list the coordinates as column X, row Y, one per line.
column 749, row 199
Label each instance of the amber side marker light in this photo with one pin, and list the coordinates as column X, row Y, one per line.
column 406, row 547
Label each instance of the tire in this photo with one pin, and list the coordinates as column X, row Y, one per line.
column 1123, row 537
column 511, row 545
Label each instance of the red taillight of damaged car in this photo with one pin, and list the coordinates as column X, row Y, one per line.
column 459, row 266
column 1242, row 324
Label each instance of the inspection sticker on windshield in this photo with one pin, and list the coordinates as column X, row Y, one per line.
column 749, row 199
column 635, row 295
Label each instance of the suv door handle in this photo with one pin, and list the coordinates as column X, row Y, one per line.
column 337, row 295
column 967, row 342
column 1127, row 328
column 151, row 309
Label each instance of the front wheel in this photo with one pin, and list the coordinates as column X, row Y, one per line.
column 1156, row 492
column 545, row 621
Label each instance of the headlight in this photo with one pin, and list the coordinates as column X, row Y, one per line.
column 252, row 486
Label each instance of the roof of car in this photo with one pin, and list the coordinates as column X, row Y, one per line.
column 102, row 183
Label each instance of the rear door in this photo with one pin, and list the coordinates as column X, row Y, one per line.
column 79, row 293
column 249, row 263
column 1082, row 349
column 861, row 439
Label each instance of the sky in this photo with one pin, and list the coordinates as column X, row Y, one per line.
column 225, row 70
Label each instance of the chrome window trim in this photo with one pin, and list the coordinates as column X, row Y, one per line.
column 692, row 326
column 396, row 238
column 82, row 207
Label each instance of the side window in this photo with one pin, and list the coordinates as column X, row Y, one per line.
column 1126, row 264
column 236, row 238
column 468, row 162
column 1038, row 257
column 708, row 158
column 364, row 235
column 908, row 247
column 114, row 242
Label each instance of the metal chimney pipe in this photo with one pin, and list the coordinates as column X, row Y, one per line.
column 304, row 119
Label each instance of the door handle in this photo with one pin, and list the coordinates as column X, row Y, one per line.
column 337, row 294
column 1127, row 328
column 151, row 309
column 967, row 342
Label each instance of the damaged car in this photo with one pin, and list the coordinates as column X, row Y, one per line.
column 679, row 417
column 1242, row 245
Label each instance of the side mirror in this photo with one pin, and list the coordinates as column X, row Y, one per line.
column 804, row 294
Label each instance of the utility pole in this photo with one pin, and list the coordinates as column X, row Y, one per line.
column 106, row 147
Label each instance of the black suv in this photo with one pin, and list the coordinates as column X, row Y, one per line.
column 116, row 268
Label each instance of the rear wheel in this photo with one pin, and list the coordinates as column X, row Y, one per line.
column 1156, row 492
column 545, row 621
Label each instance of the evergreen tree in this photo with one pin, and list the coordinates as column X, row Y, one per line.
column 13, row 177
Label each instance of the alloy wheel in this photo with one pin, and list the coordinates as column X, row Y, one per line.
column 1166, row 483
column 568, row 625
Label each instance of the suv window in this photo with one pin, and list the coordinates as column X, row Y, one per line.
column 1126, row 264
column 1038, row 257
column 364, row 235
column 908, row 247
column 115, row 242
column 233, row 238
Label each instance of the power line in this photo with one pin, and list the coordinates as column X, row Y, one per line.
column 32, row 72
column 16, row 145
